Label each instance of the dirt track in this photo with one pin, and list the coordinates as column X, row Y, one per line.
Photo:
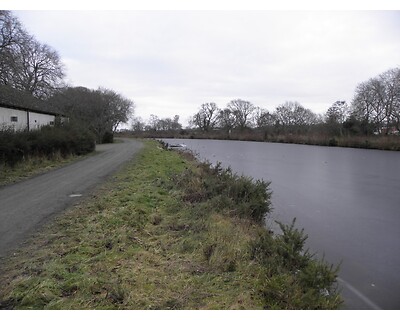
column 26, row 205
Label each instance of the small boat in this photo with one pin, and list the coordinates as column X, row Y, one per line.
column 177, row 145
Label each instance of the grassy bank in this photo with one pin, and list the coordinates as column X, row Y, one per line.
column 168, row 233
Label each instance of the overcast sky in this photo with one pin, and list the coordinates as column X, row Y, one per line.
column 170, row 62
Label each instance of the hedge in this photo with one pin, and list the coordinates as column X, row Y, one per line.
column 47, row 142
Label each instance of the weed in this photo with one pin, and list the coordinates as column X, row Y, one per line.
column 208, row 251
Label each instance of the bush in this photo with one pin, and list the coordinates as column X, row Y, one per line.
column 108, row 137
column 333, row 142
column 242, row 195
column 292, row 277
column 46, row 142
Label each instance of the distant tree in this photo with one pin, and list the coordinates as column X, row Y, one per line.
column 284, row 115
column 226, row 119
column 175, row 123
column 338, row 112
column 153, row 123
column 366, row 102
column 293, row 114
column 242, row 112
column 163, row 124
column 336, row 116
column 391, row 96
column 377, row 101
column 138, row 125
column 26, row 64
column 263, row 118
column 207, row 116
column 292, row 117
column 354, row 126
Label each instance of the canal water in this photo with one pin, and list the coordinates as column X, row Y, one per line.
column 347, row 200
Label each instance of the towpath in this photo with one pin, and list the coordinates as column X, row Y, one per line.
column 26, row 205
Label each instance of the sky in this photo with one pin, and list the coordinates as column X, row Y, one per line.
column 171, row 61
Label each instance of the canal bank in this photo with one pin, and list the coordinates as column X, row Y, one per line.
column 167, row 233
column 346, row 199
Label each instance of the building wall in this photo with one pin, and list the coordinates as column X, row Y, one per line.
column 37, row 120
column 12, row 118
column 18, row 119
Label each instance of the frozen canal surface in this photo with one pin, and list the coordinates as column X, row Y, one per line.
column 348, row 201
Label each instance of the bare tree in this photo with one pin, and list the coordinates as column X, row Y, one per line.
column 11, row 31
column 263, row 118
column 206, row 118
column 242, row 112
column 226, row 119
column 285, row 113
column 154, row 123
column 292, row 116
column 338, row 112
column 175, row 123
column 26, row 64
column 292, row 113
column 38, row 69
column 335, row 116
column 138, row 125
column 390, row 96
column 377, row 100
column 163, row 124
column 363, row 102
column 12, row 35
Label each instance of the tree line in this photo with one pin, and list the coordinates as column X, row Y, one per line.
column 375, row 109
column 156, row 124
column 31, row 67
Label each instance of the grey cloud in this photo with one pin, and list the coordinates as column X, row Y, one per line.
column 169, row 62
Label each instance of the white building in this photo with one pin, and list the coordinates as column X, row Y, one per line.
column 21, row 111
column 21, row 118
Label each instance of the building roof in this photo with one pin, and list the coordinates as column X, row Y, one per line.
column 16, row 99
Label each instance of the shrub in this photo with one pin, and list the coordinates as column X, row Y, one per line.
column 108, row 137
column 332, row 142
column 292, row 277
column 242, row 195
column 47, row 142
column 290, row 246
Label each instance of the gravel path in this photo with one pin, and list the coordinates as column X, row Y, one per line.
column 26, row 205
